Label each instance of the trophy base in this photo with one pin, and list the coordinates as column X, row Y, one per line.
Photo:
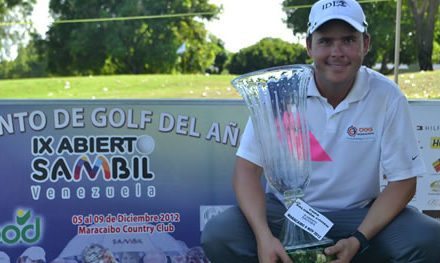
column 310, row 253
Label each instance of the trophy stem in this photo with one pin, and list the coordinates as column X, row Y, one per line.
column 294, row 237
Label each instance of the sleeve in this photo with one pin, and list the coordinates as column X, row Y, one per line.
column 249, row 148
column 400, row 155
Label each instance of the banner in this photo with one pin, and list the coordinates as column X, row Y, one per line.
column 134, row 180
column 130, row 181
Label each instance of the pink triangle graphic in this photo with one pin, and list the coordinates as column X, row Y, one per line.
column 318, row 154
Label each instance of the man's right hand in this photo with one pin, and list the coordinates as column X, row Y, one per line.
column 270, row 250
column 251, row 199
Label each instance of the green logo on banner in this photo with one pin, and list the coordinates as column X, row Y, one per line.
column 25, row 229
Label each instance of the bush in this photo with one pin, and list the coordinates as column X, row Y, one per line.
column 269, row 52
column 30, row 62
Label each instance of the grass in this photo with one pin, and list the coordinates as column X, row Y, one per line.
column 421, row 85
column 120, row 86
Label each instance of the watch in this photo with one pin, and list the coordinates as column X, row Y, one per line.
column 363, row 241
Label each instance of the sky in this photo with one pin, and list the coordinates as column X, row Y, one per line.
column 242, row 22
column 40, row 16
column 245, row 22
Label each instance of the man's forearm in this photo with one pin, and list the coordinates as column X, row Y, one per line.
column 250, row 196
column 387, row 206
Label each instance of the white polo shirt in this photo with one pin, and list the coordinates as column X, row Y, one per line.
column 368, row 135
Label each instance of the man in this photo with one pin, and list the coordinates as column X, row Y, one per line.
column 362, row 122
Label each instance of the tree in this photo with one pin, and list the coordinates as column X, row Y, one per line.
column 269, row 52
column 131, row 46
column 381, row 18
column 30, row 61
column 425, row 14
column 13, row 11
column 436, row 48
column 221, row 56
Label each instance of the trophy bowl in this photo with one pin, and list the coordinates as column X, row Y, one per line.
column 276, row 98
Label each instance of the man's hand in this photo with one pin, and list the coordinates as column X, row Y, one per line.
column 344, row 250
column 270, row 250
column 252, row 202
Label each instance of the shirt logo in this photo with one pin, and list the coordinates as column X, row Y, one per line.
column 360, row 133
column 352, row 131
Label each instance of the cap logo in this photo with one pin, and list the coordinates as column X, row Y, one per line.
column 340, row 3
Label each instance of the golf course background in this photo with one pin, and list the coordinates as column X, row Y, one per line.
column 418, row 85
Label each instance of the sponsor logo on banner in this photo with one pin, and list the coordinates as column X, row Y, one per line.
column 106, row 158
column 436, row 165
column 428, row 127
column 24, row 229
column 435, row 142
column 435, row 186
column 434, row 203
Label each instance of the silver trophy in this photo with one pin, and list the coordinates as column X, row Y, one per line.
column 276, row 98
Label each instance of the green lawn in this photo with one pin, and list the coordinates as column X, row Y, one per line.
column 422, row 85
column 120, row 86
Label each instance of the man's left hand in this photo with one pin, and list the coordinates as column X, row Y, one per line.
column 344, row 250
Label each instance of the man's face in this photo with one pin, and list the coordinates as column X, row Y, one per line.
column 337, row 50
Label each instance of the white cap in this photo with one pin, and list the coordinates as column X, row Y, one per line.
column 35, row 253
column 349, row 11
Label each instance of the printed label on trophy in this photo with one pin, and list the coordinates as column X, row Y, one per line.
column 309, row 219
